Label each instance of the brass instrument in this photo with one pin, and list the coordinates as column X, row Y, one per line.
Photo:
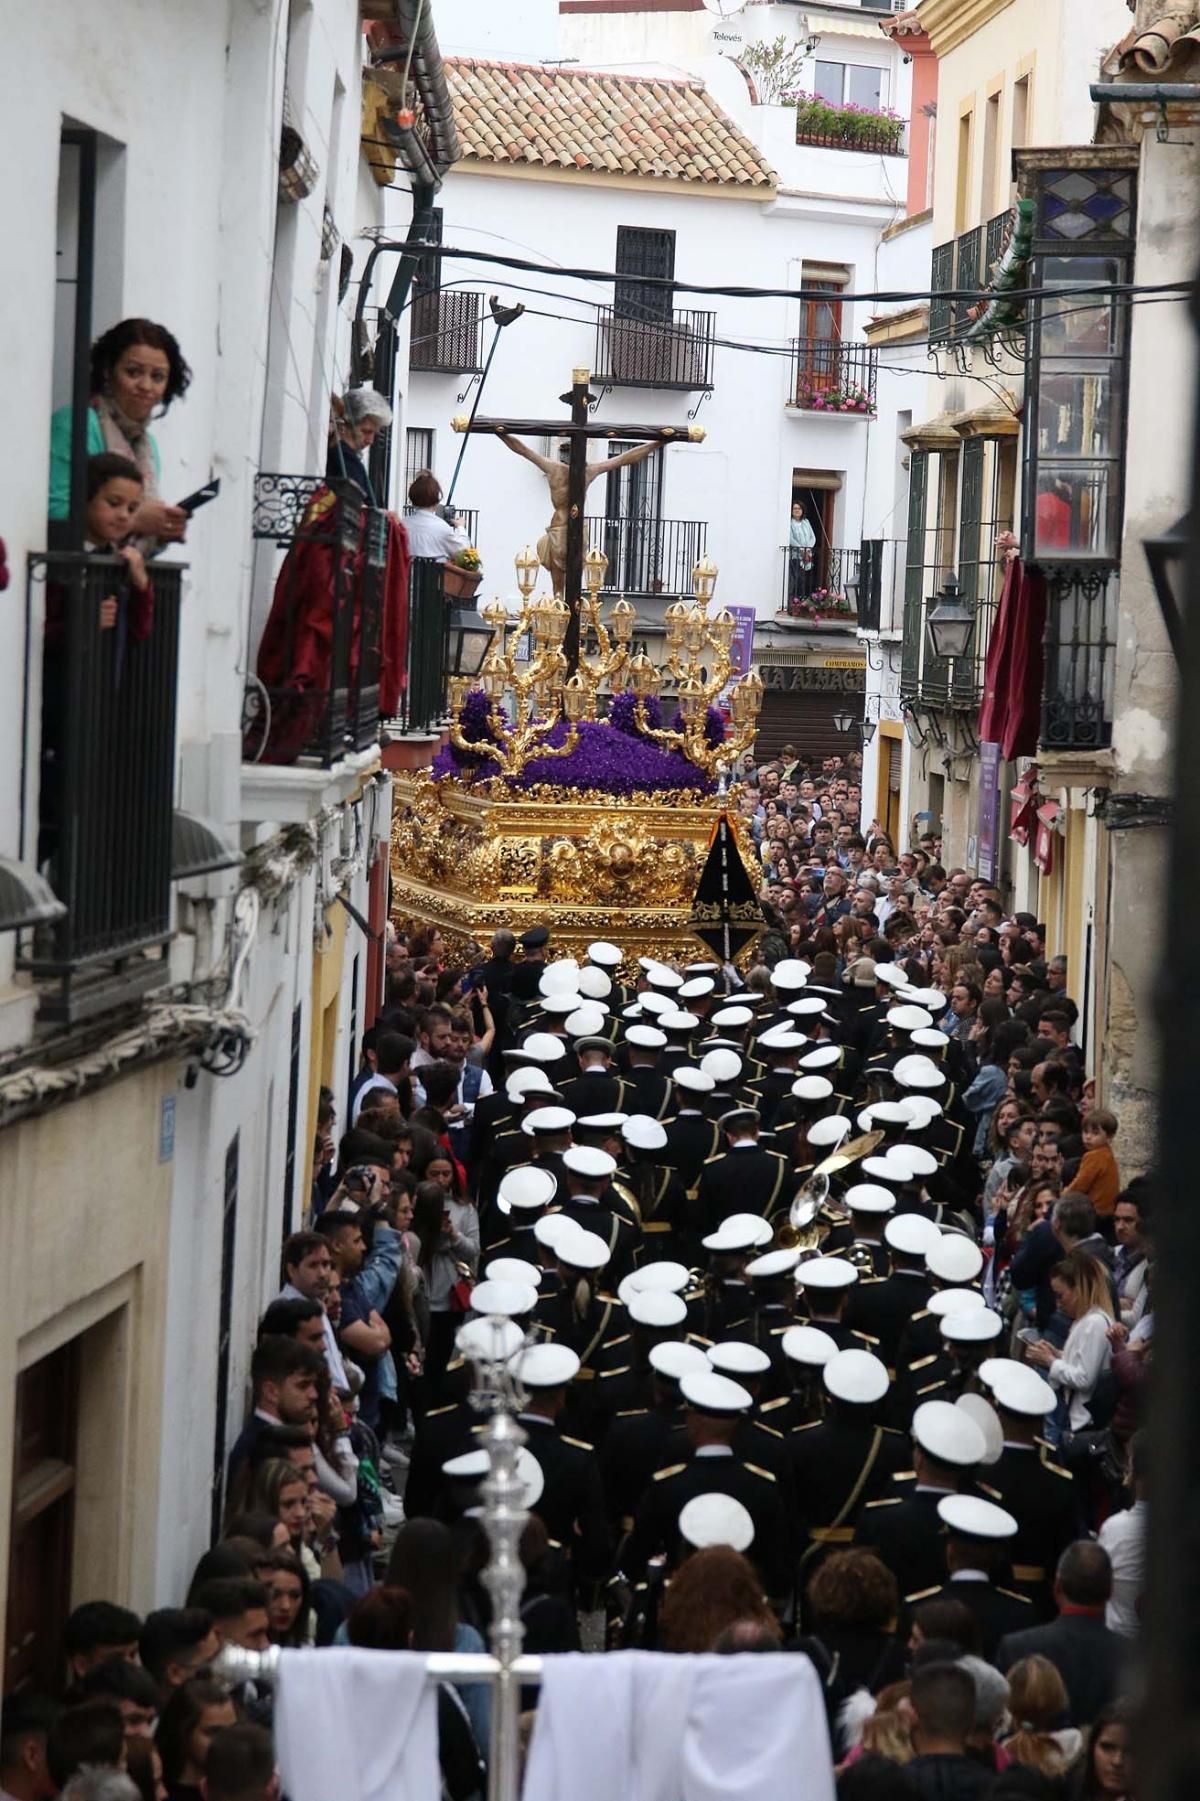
column 803, row 1232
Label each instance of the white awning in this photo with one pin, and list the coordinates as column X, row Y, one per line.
column 845, row 25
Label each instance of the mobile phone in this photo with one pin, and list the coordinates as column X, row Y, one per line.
column 202, row 496
column 1029, row 1335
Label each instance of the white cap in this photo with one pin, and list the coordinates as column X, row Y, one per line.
column 911, row 1162
column 908, row 1018
column 561, row 1001
column 715, row 1519
column 543, row 1047
column 956, row 1259
column 559, row 976
column 489, row 1339
column 600, row 1122
column 709, row 1393
column 661, row 977
column 732, row 1018
column 693, row 1081
column 931, row 1038
column 791, row 973
column 954, row 1300
column 869, row 1197
column 881, row 1170
column 821, row 1056
column 547, row 1121
column 918, row 1072
column 513, row 1269
column 530, row 1079
column 932, row 999
column 552, row 1229
column 826, row 1272
column 473, row 1466
column 732, row 1358
column 808, row 1345
column 856, row 1376
column 891, row 975
column 470, row 1466
column 781, row 1038
column 678, row 1021
column 594, row 984
column 826, row 1133
column 740, row 1232
column 654, row 1004
column 656, row 1307
column 587, row 1020
column 1019, row 1389
column 812, row 1088
column 944, row 1432
column 643, row 1133
column 722, row 1066
column 969, row 1517
column 666, row 1275
column 883, row 1113
column 584, row 1160
column 807, row 1007
column 608, row 956
column 526, row 1186
column 582, row 1250
column 507, row 1298
column 545, row 1366
column 771, row 1264
column 645, row 1038
column 922, row 1109
column 977, row 1325
column 911, row 1234
column 676, row 1359
column 696, row 987
column 988, row 1420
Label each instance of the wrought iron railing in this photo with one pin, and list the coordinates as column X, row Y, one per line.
column 319, row 661
column 648, row 556
column 995, row 237
column 674, row 352
column 818, row 589
column 967, row 274
column 1081, row 651
column 447, row 331
column 109, row 674
column 829, row 376
column 423, row 705
column 878, row 138
column 941, row 281
column 466, row 517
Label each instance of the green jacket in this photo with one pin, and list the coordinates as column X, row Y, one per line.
column 60, row 456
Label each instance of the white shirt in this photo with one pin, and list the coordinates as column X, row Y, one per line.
column 1085, row 1357
column 333, row 1356
column 1123, row 1536
column 486, row 1085
column 430, row 536
column 371, row 1086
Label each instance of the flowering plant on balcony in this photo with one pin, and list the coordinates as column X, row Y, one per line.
column 822, row 603
column 847, row 127
column 847, row 397
column 467, row 558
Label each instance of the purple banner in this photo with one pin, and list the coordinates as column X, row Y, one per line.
column 989, row 809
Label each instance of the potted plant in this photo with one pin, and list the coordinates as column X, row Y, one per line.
column 462, row 573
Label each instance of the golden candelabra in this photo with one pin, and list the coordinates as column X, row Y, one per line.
column 698, row 660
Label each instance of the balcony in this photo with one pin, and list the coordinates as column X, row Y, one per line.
column 827, row 126
column 1081, row 652
column 964, row 263
column 467, row 517
column 447, row 332
column 648, row 556
column 423, row 703
column 823, row 594
column 105, row 830
column 324, row 656
column 674, row 352
column 833, row 378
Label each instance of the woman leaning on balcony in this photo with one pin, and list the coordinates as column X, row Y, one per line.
column 137, row 370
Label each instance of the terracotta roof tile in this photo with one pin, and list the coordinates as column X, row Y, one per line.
column 577, row 118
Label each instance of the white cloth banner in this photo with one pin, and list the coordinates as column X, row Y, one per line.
column 650, row 1726
column 356, row 1726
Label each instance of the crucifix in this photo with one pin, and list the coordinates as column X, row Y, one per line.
column 561, row 546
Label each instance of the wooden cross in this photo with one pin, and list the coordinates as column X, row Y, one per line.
column 564, row 538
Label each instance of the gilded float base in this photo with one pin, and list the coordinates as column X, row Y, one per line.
column 587, row 866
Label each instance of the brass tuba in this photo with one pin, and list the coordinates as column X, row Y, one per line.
column 802, row 1232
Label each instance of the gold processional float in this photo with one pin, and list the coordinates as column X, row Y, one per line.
column 562, row 799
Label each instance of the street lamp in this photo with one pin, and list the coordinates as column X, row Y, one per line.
column 950, row 622
column 843, row 721
column 869, row 729
column 1167, row 557
column 470, row 636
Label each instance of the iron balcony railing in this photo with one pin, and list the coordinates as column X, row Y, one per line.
column 466, row 517
column 674, row 352
column 447, row 332
column 822, row 588
column 967, row 275
column 833, row 377
column 965, row 263
column 423, row 704
column 941, row 281
column 819, row 126
column 319, row 662
column 109, row 672
column 1081, row 654
column 995, row 237
column 648, row 556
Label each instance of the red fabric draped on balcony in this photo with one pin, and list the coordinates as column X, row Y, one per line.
column 1010, row 714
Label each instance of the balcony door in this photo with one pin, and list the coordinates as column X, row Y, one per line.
column 633, row 522
column 820, row 359
column 42, row 1523
column 643, row 347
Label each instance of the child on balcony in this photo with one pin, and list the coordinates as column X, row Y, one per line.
column 114, row 493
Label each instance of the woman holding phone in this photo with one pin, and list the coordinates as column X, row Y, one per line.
column 137, row 370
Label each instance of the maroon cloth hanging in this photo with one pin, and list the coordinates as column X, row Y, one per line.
column 1011, row 710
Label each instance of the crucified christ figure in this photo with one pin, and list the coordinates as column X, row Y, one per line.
column 552, row 545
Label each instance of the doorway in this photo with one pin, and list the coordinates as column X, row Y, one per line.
column 818, row 504
column 42, row 1543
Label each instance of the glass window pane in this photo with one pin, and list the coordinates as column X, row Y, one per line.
column 864, row 86
column 1078, row 411
column 1083, row 326
column 1077, row 512
column 830, row 81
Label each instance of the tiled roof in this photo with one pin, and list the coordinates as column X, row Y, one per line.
column 1169, row 47
column 606, row 124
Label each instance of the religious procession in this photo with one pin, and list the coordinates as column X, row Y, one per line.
column 597, row 863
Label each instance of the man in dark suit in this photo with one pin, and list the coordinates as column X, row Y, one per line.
column 1087, row 1656
column 527, row 974
column 746, row 1179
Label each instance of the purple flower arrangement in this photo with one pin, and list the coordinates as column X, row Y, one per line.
column 623, row 713
column 714, row 727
